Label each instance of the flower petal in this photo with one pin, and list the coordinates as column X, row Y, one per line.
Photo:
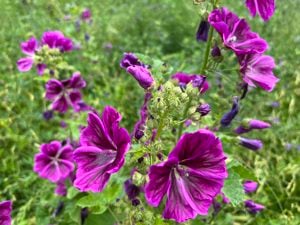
column 25, row 64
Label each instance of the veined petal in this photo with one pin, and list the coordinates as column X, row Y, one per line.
column 25, row 64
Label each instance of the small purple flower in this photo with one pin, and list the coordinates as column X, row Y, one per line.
column 236, row 33
column 5, row 212
column 138, row 70
column 252, row 125
column 29, row 48
column 253, row 207
column 198, row 81
column 203, row 109
column 54, row 162
column 86, row 14
column 192, row 176
column 264, row 8
column 250, row 186
column 252, row 144
column 66, row 93
column 257, row 70
column 139, row 127
column 229, row 116
column 102, row 152
column 202, row 32
column 56, row 39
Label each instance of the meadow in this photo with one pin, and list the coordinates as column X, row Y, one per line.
column 165, row 30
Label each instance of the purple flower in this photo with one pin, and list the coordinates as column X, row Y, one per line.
column 48, row 115
column 192, row 176
column 86, row 14
column 56, row 39
column 253, row 207
column 229, row 116
column 203, row 109
column 257, row 70
column 202, row 32
column 198, row 81
column 236, row 33
column 54, row 162
column 264, row 8
column 29, row 48
column 250, row 186
column 137, row 69
column 5, row 211
column 252, row 144
column 103, row 147
column 139, row 127
column 65, row 93
column 252, row 125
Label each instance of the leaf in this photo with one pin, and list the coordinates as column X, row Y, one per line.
column 104, row 219
column 233, row 188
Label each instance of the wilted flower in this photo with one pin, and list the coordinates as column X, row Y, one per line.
column 54, row 162
column 252, row 125
column 250, row 186
column 229, row 116
column 66, row 93
column 137, row 69
column 216, row 53
column 58, row 209
column 102, row 151
column 258, row 70
column 252, row 144
column 84, row 214
column 253, row 207
column 264, row 8
column 86, row 14
column 5, row 212
column 203, row 109
column 131, row 189
column 198, row 81
column 191, row 177
column 236, row 33
column 202, row 32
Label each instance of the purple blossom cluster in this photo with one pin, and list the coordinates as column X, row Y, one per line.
column 255, row 67
column 32, row 47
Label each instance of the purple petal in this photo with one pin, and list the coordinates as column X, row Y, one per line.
column 29, row 47
column 53, row 89
column 142, row 75
column 41, row 68
column 51, row 37
column 25, row 64
column 61, row 104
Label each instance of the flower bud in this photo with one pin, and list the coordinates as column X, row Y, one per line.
column 48, row 115
column 229, row 116
column 216, row 54
column 253, row 207
column 252, row 124
column 252, row 144
column 202, row 32
column 203, row 109
column 250, row 186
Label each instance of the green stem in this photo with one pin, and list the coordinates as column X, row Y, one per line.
column 114, row 215
column 207, row 50
column 188, row 105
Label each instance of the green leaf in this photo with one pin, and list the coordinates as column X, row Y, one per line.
column 233, row 188
column 104, row 219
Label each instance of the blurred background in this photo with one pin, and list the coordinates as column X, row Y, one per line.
column 162, row 29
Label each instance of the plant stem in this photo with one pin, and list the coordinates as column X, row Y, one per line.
column 114, row 215
column 207, row 50
column 188, row 105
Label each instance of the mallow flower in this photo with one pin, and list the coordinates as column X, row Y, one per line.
column 252, row 124
column 57, row 40
column 236, row 33
column 138, row 70
column 29, row 48
column 191, row 177
column 198, row 81
column 257, row 70
column 66, row 93
column 54, row 162
column 264, row 8
column 5, row 212
column 102, row 152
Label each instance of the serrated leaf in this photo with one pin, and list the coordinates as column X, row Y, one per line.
column 233, row 188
